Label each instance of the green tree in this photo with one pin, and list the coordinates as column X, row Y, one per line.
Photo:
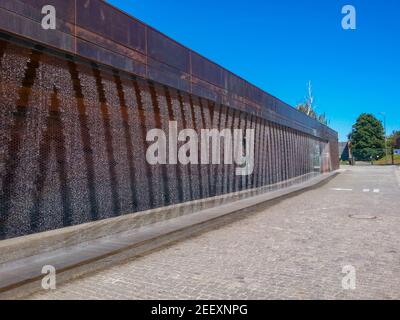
column 367, row 138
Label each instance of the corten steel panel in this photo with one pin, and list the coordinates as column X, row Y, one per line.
column 205, row 69
column 244, row 89
column 32, row 10
column 167, row 51
column 91, row 51
column 98, row 17
column 206, row 90
column 16, row 23
column 85, row 27
column 168, row 75
column 66, row 8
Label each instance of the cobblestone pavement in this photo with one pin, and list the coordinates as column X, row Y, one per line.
column 295, row 248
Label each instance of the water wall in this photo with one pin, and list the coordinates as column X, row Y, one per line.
column 77, row 103
column 73, row 145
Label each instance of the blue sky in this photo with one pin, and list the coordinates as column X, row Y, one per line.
column 280, row 45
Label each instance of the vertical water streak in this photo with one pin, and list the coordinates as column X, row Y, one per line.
column 157, row 120
column 211, row 108
column 217, row 167
column 281, row 142
column 128, row 139
column 301, row 146
column 204, row 126
column 274, row 170
column 184, row 124
column 3, row 47
column 295, row 154
column 304, row 149
column 231, row 174
column 244, row 178
column 227, row 167
column 142, row 122
column 236, row 179
column 108, row 140
column 85, row 138
column 267, row 148
column 294, row 160
column 258, row 166
column 289, row 157
column 178, row 171
column 194, row 124
column 281, row 151
column 14, row 145
column 267, row 152
column 54, row 133
column 249, row 125
column 286, row 153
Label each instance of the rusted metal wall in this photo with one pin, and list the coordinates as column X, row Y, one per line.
column 76, row 104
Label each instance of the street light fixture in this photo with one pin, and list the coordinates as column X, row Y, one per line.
column 384, row 128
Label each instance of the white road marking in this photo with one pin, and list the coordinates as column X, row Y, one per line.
column 116, row 280
column 376, row 190
column 365, row 190
column 341, row 189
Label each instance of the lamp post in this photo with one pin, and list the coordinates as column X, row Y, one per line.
column 384, row 128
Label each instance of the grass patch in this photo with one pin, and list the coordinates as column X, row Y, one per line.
column 388, row 160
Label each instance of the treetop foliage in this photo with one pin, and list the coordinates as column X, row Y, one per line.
column 367, row 138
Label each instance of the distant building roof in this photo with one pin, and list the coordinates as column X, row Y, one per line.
column 342, row 146
column 397, row 143
column 344, row 151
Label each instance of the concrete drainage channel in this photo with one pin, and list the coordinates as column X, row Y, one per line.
column 22, row 277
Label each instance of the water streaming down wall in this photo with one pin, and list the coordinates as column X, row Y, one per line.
column 72, row 144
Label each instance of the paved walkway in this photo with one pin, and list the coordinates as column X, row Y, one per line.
column 295, row 248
